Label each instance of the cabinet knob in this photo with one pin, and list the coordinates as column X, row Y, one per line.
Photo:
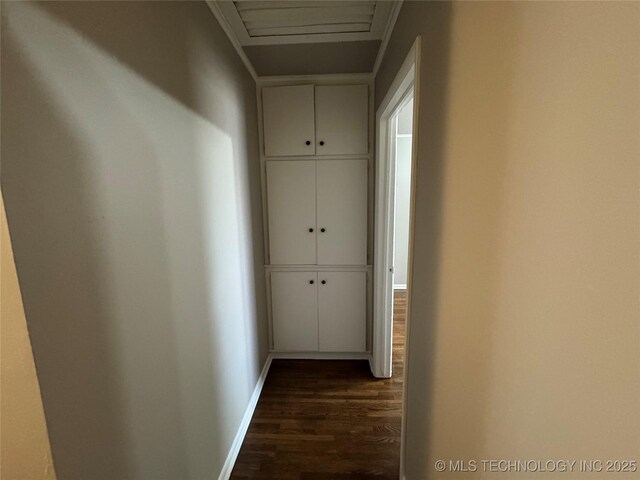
column 324, row 281
column 311, row 282
column 311, row 230
column 323, row 229
column 308, row 142
column 321, row 142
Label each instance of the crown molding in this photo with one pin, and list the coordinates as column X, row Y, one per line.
column 393, row 17
column 215, row 9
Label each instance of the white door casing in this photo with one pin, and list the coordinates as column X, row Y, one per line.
column 403, row 86
column 406, row 82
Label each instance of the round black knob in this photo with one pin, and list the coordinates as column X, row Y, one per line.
column 311, row 282
column 324, row 281
column 321, row 142
column 323, row 230
column 311, row 229
column 308, row 142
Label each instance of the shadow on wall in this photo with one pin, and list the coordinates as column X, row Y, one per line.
column 131, row 179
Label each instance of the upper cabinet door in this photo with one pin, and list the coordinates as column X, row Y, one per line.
column 291, row 206
column 342, row 212
column 342, row 120
column 288, row 121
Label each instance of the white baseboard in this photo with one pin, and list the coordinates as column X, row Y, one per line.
column 400, row 286
column 322, row 355
column 227, row 468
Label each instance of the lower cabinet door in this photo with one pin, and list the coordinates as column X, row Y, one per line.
column 342, row 316
column 294, row 304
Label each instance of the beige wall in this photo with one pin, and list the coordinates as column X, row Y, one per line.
column 131, row 178
column 525, row 318
column 25, row 452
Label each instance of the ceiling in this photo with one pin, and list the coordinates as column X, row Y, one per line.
column 305, row 37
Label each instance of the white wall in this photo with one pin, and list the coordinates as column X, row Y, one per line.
column 524, row 328
column 131, row 179
column 403, row 195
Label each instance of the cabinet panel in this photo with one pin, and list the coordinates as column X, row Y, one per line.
column 342, row 311
column 288, row 114
column 294, row 302
column 342, row 120
column 291, row 206
column 342, row 212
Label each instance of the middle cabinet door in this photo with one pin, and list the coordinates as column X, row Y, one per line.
column 291, row 199
column 342, row 212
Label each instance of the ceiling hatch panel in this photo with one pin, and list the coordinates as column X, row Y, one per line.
column 295, row 21
column 292, row 18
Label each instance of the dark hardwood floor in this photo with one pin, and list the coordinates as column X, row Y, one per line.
column 327, row 419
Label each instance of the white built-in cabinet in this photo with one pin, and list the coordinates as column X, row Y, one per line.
column 291, row 203
column 317, row 212
column 289, row 124
column 319, row 311
column 305, row 120
column 317, row 215
column 342, row 311
column 294, row 307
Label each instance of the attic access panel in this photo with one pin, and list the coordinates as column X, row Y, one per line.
column 269, row 22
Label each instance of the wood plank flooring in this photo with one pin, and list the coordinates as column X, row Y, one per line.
column 321, row 420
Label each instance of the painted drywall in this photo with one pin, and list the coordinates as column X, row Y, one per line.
column 24, row 443
column 525, row 311
column 402, row 195
column 130, row 171
column 313, row 58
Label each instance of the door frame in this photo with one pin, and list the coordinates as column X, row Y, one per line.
column 406, row 83
column 407, row 80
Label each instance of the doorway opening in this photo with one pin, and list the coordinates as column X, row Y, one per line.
column 401, row 137
column 395, row 169
column 396, row 127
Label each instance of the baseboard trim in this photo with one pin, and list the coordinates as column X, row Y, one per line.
column 229, row 463
column 322, row 355
column 400, row 286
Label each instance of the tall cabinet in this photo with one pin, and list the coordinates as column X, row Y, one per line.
column 316, row 155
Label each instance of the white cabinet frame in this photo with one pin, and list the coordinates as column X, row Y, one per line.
column 269, row 269
column 340, row 79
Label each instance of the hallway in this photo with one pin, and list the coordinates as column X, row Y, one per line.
column 207, row 205
column 327, row 419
